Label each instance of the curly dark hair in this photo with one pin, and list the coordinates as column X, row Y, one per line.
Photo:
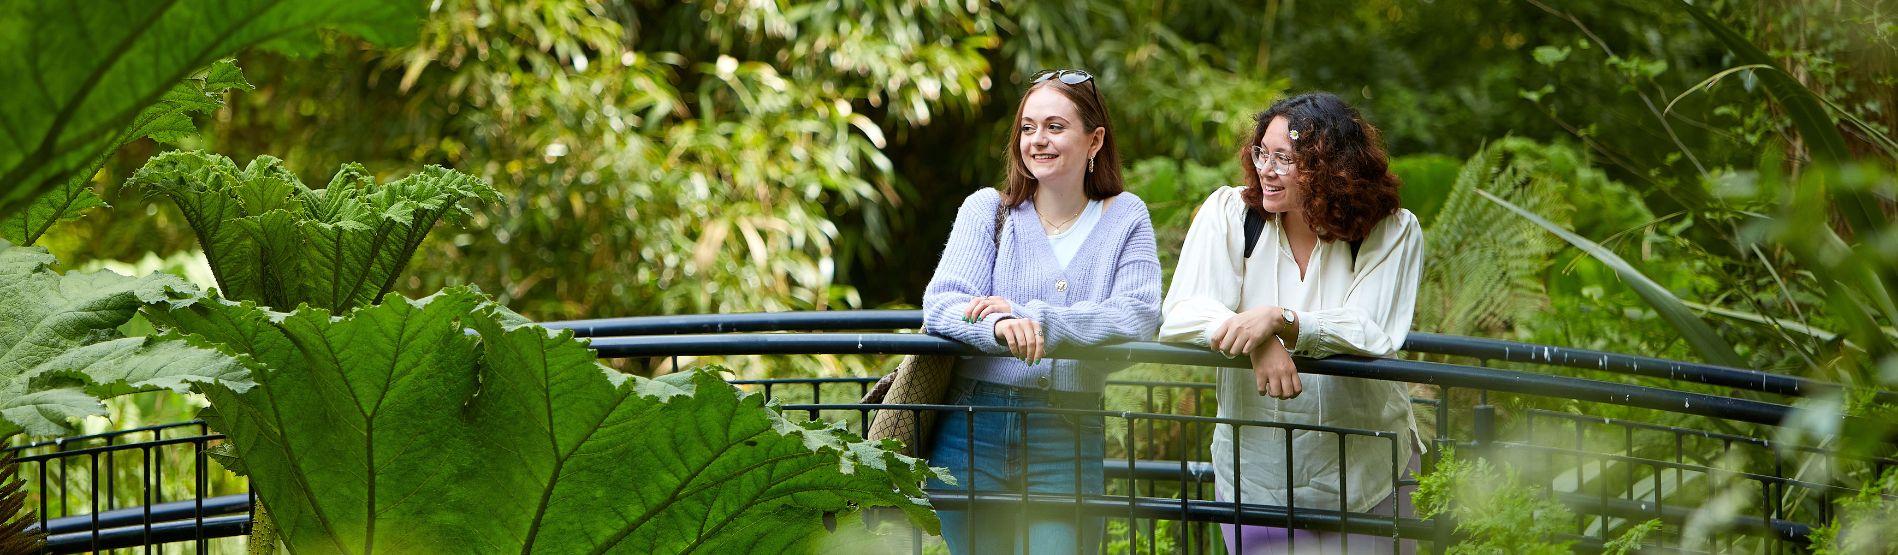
column 1349, row 187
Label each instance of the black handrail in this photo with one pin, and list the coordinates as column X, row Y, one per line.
column 1416, row 342
column 1349, row 366
column 823, row 320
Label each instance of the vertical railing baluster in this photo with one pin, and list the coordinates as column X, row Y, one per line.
column 1344, row 493
column 1291, row 499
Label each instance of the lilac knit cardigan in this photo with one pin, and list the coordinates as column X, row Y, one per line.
column 1112, row 290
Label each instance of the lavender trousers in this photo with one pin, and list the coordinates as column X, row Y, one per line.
column 1275, row 540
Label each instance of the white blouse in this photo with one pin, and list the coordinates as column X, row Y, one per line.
column 1359, row 305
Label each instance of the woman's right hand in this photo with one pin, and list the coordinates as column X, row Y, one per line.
column 1275, row 373
column 1024, row 338
column 982, row 307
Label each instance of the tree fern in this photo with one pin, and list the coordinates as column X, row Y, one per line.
column 15, row 538
column 1486, row 267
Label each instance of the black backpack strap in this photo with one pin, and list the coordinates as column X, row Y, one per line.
column 1255, row 224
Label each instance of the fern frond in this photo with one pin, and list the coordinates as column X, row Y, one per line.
column 15, row 538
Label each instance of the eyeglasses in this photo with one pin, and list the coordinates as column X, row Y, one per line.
column 1280, row 163
column 1067, row 76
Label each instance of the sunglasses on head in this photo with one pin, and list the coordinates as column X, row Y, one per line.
column 1067, row 76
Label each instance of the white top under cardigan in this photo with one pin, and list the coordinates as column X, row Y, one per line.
column 1345, row 306
column 1109, row 293
column 1068, row 242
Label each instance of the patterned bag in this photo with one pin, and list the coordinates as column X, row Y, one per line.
column 917, row 380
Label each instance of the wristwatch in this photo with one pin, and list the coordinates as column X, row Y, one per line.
column 1291, row 318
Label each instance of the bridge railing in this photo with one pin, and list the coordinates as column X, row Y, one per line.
column 1616, row 453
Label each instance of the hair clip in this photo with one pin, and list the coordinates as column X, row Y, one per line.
column 1293, row 133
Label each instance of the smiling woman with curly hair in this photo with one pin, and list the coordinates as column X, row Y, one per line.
column 1311, row 257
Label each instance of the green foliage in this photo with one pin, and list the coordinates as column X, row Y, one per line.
column 14, row 514
column 1173, row 191
column 77, row 80
column 168, row 121
column 1857, row 279
column 1803, row 108
column 1484, row 273
column 1427, row 182
column 424, row 427
column 1866, row 523
column 1489, row 272
column 1709, row 344
column 272, row 240
column 62, row 350
column 1631, row 541
column 1498, row 513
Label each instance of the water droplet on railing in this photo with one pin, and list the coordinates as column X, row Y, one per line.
column 1688, row 403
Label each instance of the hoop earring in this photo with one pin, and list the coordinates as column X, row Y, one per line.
column 1090, row 164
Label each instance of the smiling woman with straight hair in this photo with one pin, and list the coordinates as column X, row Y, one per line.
column 1061, row 256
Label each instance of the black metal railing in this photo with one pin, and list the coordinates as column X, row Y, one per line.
column 1616, row 453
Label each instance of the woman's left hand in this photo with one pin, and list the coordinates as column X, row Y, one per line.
column 1275, row 373
column 1024, row 337
column 1246, row 331
column 982, row 307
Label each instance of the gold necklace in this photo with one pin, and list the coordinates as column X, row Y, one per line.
column 1057, row 227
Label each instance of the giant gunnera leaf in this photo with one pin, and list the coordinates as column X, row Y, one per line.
column 168, row 121
column 437, row 426
column 272, row 240
column 60, row 350
column 76, row 74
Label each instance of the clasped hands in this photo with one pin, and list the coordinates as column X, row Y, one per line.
column 1024, row 337
column 1254, row 333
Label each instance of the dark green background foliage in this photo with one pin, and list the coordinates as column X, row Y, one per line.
column 694, row 157
column 660, row 157
column 781, row 157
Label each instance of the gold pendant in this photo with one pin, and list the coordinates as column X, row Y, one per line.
column 1061, row 285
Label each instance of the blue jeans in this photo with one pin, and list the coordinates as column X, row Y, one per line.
column 1010, row 457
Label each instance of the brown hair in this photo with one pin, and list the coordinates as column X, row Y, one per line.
column 1103, row 182
column 1348, row 184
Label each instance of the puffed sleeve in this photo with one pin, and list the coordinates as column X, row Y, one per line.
column 1206, row 282
column 1378, row 308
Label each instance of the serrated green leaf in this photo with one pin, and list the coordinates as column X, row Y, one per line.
column 45, row 412
column 60, row 348
column 423, row 429
column 68, row 202
column 77, row 77
column 168, row 121
column 272, row 240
